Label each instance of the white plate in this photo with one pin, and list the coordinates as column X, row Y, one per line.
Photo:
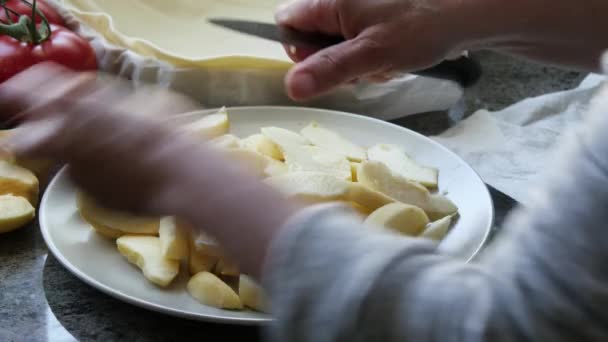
column 96, row 261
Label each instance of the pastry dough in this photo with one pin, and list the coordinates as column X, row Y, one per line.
column 178, row 31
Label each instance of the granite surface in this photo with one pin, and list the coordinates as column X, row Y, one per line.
column 41, row 301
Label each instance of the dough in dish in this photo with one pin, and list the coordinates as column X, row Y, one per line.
column 178, row 31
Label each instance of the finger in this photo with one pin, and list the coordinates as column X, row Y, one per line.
column 334, row 66
column 39, row 138
column 310, row 15
column 32, row 92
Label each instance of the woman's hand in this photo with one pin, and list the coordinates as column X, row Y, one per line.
column 389, row 36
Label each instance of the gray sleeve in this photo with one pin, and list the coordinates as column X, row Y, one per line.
column 545, row 279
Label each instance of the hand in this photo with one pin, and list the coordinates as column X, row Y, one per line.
column 389, row 36
column 383, row 38
column 103, row 129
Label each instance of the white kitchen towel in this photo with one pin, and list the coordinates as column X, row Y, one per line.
column 511, row 147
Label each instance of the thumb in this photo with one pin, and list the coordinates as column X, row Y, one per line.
column 336, row 65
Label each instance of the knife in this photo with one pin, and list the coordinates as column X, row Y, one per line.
column 464, row 71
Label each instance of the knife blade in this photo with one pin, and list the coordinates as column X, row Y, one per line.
column 464, row 71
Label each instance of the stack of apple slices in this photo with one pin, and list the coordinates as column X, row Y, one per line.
column 19, row 188
column 382, row 183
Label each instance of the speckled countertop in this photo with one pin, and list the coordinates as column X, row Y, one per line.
column 41, row 301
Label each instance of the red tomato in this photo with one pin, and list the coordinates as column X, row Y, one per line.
column 20, row 7
column 63, row 47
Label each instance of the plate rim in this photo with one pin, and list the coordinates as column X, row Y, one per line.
column 117, row 294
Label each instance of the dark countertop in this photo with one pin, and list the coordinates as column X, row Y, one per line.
column 41, row 301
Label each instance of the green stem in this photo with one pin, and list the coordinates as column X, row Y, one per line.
column 34, row 30
column 19, row 30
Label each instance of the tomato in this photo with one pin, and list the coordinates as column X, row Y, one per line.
column 62, row 46
column 20, row 7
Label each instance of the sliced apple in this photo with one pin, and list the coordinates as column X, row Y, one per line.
column 314, row 187
column 332, row 141
column 399, row 217
column 145, row 252
column 262, row 144
column 173, row 239
column 104, row 231
column 226, row 141
column 18, row 181
column 117, row 220
column 260, row 165
column 437, row 230
column 354, row 166
column 440, row 206
column 401, row 164
column 300, row 158
column 210, row 126
column 283, row 137
column 379, row 177
column 227, row 267
column 210, row 290
column 252, row 295
column 200, row 261
column 15, row 212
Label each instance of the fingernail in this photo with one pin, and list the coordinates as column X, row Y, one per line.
column 303, row 85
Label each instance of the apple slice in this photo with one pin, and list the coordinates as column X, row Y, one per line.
column 252, row 295
column 199, row 262
column 401, row 164
column 399, row 217
column 437, row 230
column 117, row 220
column 260, row 165
column 18, row 181
column 300, row 158
column 173, row 239
column 262, row 144
column 145, row 252
column 283, row 137
column 103, row 230
column 227, row 267
column 210, row 126
column 440, row 206
column 226, row 141
column 314, row 187
column 210, row 290
column 379, row 177
column 354, row 166
column 332, row 141
column 15, row 212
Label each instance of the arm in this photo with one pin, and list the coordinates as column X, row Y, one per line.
column 544, row 280
column 403, row 35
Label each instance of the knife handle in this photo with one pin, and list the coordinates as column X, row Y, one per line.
column 464, row 70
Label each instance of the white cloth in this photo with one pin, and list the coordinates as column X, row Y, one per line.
column 509, row 148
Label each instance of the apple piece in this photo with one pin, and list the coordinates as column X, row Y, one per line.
column 18, row 181
column 173, row 239
column 283, row 137
column 401, row 164
column 437, row 230
column 145, row 252
column 199, row 262
column 440, row 206
column 314, row 187
column 227, row 267
column 260, row 165
column 379, row 177
column 354, row 166
column 210, row 290
column 226, row 141
column 105, row 231
column 302, row 158
column 399, row 217
column 117, row 220
column 252, row 295
column 262, row 144
column 210, row 126
column 332, row 141
column 15, row 212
